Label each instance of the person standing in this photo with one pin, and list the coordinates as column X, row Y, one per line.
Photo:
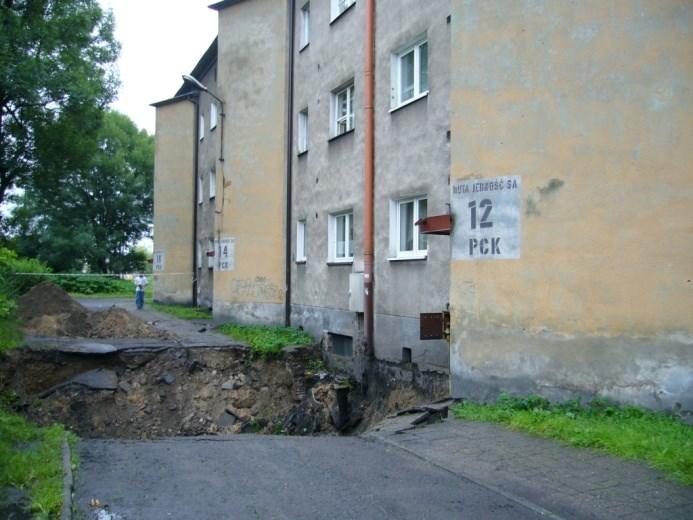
column 140, row 284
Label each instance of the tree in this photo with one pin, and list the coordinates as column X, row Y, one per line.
column 56, row 78
column 93, row 214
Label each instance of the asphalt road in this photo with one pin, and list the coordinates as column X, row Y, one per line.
column 276, row 477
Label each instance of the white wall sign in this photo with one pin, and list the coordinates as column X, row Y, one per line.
column 487, row 218
column 159, row 261
column 226, row 253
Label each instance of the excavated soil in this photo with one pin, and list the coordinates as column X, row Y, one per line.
column 47, row 310
column 144, row 393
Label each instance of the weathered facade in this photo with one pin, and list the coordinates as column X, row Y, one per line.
column 558, row 136
column 589, row 103
column 411, row 162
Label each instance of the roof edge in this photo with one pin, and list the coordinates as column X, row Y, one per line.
column 218, row 6
column 176, row 99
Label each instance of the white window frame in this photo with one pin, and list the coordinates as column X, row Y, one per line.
column 213, row 116
column 396, row 251
column 396, row 100
column 305, row 26
column 301, row 241
column 302, row 137
column 200, row 186
column 333, row 256
column 212, row 184
column 348, row 117
column 202, row 127
column 337, row 7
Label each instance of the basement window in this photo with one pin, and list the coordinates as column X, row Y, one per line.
column 342, row 345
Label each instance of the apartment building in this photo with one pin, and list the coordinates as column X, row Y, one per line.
column 531, row 182
column 412, row 164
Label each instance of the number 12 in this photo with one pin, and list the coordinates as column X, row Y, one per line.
column 486, row 205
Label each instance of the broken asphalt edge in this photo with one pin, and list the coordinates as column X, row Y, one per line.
column 66, row 511
column 464, row 476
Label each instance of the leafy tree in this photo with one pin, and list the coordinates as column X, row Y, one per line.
column 95, row 214
column 56, row 78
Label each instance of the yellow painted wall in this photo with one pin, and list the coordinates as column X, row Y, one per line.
column 590, row 103
column 252, row 82
column 174, row 199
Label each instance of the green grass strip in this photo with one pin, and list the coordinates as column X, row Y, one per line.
column 629, row 432
column 183, row 312
column 10, row 334
column 31, row 459
column 266, row 341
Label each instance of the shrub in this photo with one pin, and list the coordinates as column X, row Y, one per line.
column 13, row 284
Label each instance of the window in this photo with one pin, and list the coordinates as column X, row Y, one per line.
column 199, row 190
column 337, row 7
column 305, row 26
column 301, row 241
column 212, row 184
column 202, row 127
column 210, row 254
column 405, row 240
column 303, row 131
column 199, row 256
column 342, row 345
column 409, row 74
column 213, row 116
column 343, row 110
column 341, row 237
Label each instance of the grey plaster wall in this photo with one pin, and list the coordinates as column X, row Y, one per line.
column 207, row 158
column 412, row 158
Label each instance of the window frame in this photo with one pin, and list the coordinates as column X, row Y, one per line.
column 200, row 190
column 332, row 241
column 212, row 184
column 302, row 132
column 301, row 257
column 396, row 89
column 304, row 34
column 213, row 116
column 339, row 7
column 201, row 127
column 396, row 250
column 349, row 117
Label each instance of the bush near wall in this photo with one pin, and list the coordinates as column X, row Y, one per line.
column 13, row 284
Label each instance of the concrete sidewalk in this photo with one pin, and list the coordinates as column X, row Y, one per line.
column 547, row 476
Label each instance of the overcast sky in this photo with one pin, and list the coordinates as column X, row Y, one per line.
column 161, row 40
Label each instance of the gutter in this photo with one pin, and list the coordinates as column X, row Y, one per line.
column 369, row 177
column 289, row 163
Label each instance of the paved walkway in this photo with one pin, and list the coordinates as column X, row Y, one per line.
column 564, row 482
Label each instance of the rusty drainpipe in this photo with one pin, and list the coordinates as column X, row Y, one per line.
column 369, row 176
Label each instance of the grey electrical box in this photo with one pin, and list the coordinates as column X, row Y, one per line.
column 356, row 296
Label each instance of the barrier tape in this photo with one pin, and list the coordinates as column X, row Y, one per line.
column 111, row 275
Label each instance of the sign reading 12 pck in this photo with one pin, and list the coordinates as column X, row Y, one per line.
column 487, row 218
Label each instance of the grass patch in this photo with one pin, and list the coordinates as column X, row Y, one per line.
column 10, row 333
column 31, row 459
column 184, row 312
column 266, row 341
column 662, row 441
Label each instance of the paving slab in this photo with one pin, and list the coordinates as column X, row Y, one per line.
column 275, row 477
column 564, row 481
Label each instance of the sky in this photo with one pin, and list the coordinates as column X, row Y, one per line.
column 160, row 40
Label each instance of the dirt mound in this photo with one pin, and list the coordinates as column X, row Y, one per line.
column 47, row 310
column 119, row 323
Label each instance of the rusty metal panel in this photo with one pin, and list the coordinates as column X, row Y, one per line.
column 435, row 225
column 431, row 325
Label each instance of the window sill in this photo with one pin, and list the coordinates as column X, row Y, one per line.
column 212, row 197
column 342, row 13
column 302, row 261
column 301, row 154
column 303, row 48
column 340, row 262
column 333, row 138
column 409, row 102
column 417, row 258
column 212, row 129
